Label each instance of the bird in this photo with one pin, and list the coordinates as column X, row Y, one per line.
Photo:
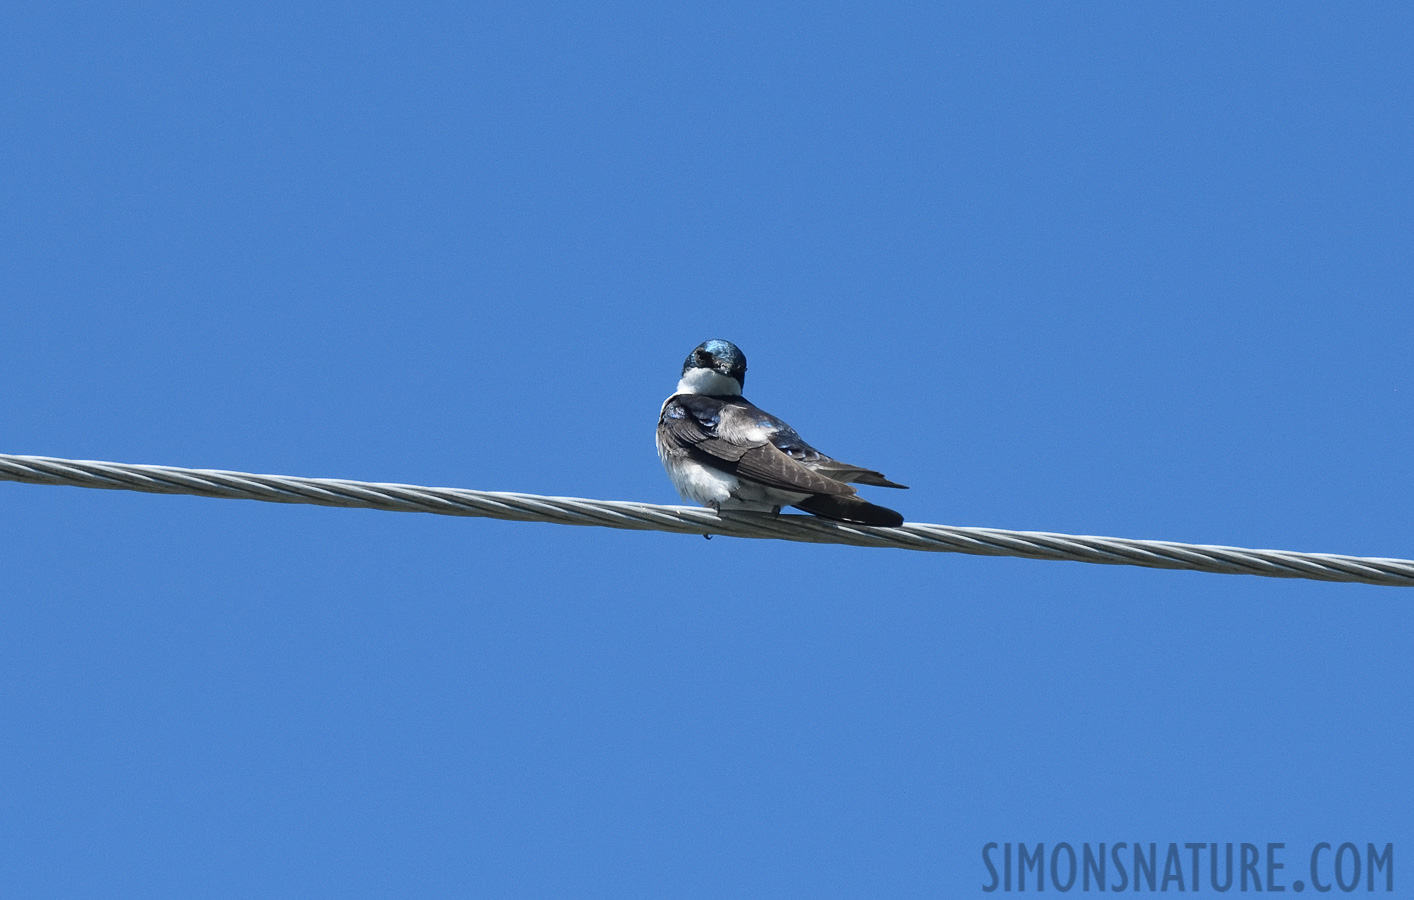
column 724, row 452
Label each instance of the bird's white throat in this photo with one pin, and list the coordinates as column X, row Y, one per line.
column 706, row 381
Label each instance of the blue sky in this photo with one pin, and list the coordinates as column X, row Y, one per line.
column 1095, row 268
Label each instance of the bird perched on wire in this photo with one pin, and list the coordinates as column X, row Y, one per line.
column 725, row 452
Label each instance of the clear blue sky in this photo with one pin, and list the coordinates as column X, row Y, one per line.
column 1108, row 269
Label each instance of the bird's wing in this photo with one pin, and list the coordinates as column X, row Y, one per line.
column 854, row 474
column 789, row 442
column 736, row 437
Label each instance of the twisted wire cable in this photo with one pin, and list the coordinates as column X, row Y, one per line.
column 694, row 520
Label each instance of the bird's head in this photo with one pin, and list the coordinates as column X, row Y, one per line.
column 716, row 368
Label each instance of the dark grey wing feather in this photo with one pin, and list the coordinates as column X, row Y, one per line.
column 769, row 466
column 788, row 441
column 690, row 421
column 854, row 474
column 732, row 436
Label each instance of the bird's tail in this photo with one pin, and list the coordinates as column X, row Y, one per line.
column 849, row 509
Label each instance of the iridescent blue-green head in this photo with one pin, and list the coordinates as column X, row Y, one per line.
column 711, row 359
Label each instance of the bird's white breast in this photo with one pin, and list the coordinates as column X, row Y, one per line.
column 699, row 483
column 705, row 381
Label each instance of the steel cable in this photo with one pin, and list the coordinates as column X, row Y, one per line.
column 694, row 520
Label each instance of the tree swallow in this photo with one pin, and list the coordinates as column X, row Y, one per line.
column 724, row 452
